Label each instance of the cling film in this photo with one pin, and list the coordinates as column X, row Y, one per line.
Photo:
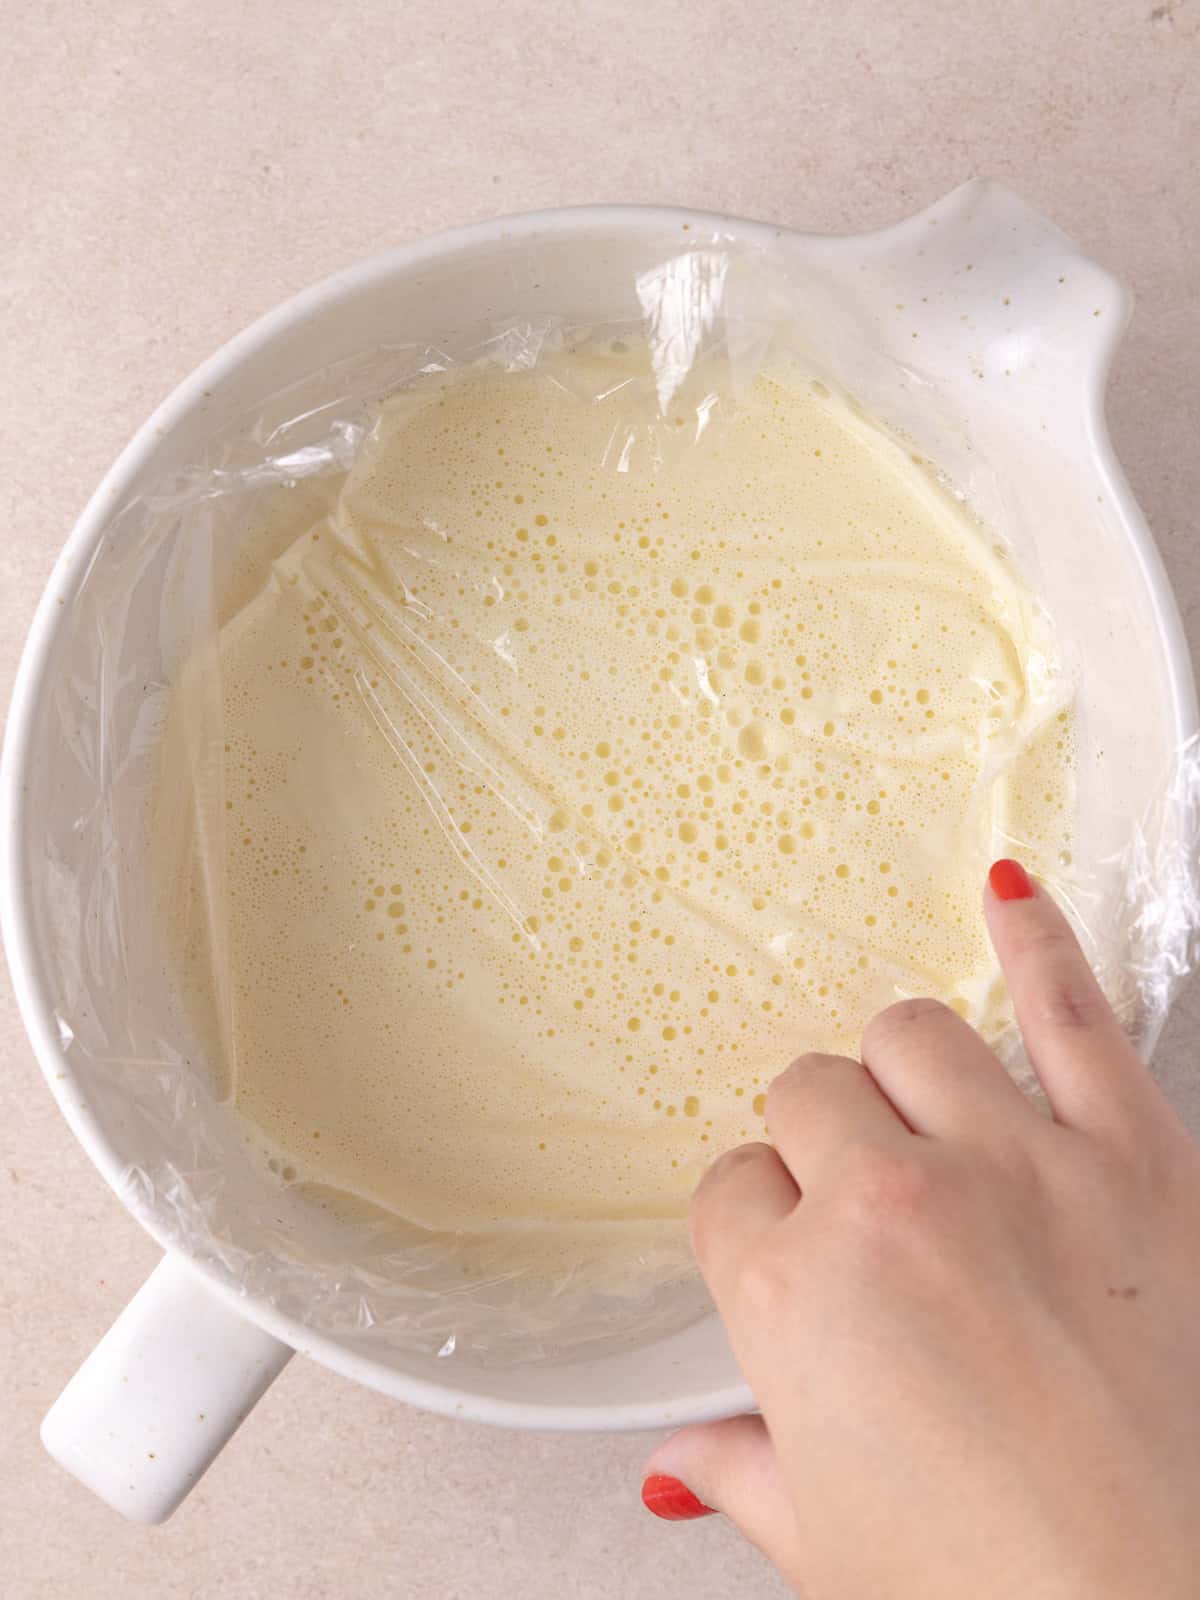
column 558, row 738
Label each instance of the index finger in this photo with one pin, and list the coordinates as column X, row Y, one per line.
column 1092, row 1075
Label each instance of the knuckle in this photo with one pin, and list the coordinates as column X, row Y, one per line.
column 1050, row 952
column 896, row 1020
column 730, row 1161
column 1130, row 1165
column 1071, row 1002
column 765, row 1282
column 1022, row 1165
column 712, row 1178
column 805, row 1074
column 886, row 1194
column 704, row 1210
column 812, row 1061
column 1042, row 936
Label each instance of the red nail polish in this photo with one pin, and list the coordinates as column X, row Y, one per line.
column 1010, row 881
column 671, row 1500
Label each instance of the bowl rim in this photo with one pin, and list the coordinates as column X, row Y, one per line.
column 37, row 660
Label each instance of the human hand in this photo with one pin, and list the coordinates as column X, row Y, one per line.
column 971, row 1329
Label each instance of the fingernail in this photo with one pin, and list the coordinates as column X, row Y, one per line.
column 671, row 1500
column 1010, row 881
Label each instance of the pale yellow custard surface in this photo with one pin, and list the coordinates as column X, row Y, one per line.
column 563, row 806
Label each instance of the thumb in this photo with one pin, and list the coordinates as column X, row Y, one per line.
column 728, row 1467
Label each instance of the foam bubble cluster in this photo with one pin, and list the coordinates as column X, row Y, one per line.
column 565, row 806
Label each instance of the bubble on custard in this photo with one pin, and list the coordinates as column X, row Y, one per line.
column 657, row 739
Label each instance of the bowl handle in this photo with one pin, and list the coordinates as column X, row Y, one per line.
column 160, row 1394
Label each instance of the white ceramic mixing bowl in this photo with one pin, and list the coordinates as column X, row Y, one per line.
column 986, row 309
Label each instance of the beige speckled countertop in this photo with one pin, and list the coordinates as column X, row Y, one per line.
column 169, row 170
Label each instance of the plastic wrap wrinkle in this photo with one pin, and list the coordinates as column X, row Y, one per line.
column 301, row 485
